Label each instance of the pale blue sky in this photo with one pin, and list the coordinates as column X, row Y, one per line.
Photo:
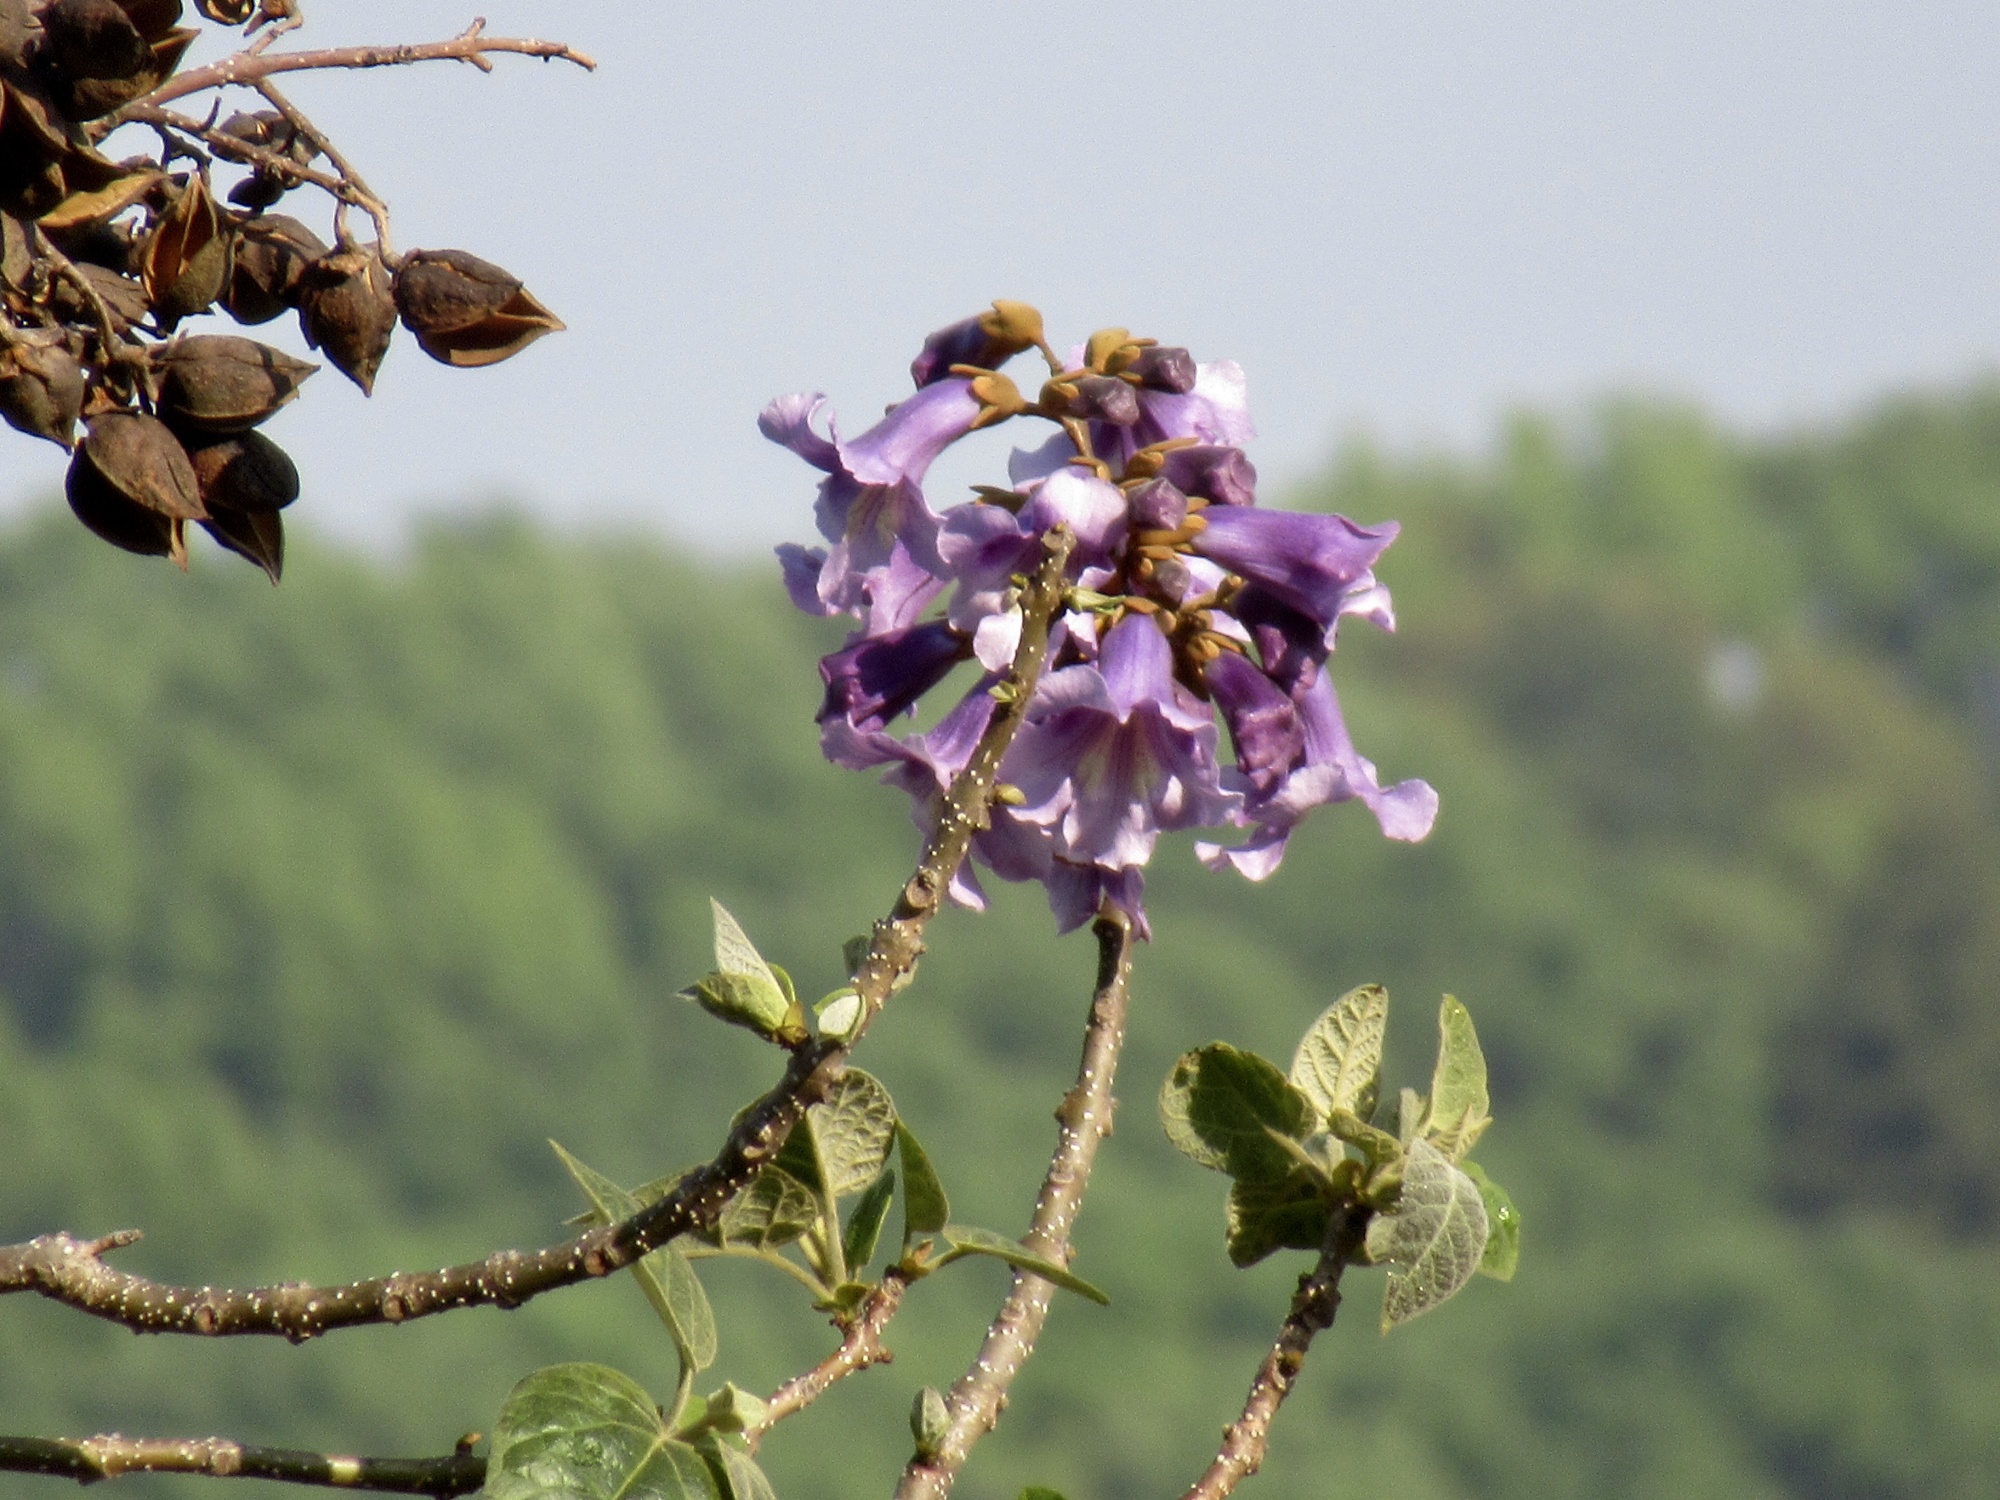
column 1402, row 219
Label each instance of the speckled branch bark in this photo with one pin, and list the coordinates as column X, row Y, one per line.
column 72, row 1271
column 1084, row 1117
column 1313, row 1307
column 860, row 1347
column 88, row 1460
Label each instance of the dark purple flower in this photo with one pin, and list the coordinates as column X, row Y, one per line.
column 876, row 677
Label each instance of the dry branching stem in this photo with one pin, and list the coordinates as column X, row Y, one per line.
column 860, row 1347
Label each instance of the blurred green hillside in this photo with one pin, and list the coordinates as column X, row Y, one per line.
column 320, row 909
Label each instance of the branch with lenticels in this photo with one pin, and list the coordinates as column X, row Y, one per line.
column 74, row 1272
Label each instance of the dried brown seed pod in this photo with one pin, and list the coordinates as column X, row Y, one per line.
column 88, row 98
column 91, row 39
column 226, row 12
column 347, row 311
column 41, row 389
column 218, row 383
column 123, row 297
column 17, row 29
column 466, row 311
column 256, row 534
column 154, row 18
column 245, row 471
column 271, row 255
column 131, row 483
column 186, row 259
column 16, row 263
column 32, row 146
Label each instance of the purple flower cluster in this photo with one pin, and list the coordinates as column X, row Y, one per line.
column 1186, row 600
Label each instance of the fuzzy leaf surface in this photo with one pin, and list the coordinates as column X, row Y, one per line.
column 1459, row 1103
column 1433, row 1240
column 1339, row 1061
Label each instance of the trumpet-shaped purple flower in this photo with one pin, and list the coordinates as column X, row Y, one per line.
column 1189, row 601
column 883, row 565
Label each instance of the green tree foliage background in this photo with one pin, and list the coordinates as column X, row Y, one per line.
column 321, row 909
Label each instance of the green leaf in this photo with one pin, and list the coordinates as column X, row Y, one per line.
column 1503, row 1226
column 1434, row 1239
column 770, row 1213
column 1410, row 1115
column 585, row 1432
column 965, row 1240
column 930, row 1421
column 734, row 952
column 853, row 1130
column 1339, row 1061
column 664, row 1276
column 1289, row 1214
column 1458, row 1113
column 1218, row 1105
column 926, row 1210
column 864, row 1224
column 839, row 1013
column 735, row 1471
column 752, row 1001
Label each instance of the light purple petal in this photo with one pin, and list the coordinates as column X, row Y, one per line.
column 1026, row 465
column 801, row 568
column 787, row 422
column 1311, row 561
column 903, row 444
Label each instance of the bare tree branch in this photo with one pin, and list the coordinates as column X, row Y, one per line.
column 87, row 1460
column 860, row 1346
column 1313, row 1307
column 72, row 1271
column 250, row 65
column 977, row 1397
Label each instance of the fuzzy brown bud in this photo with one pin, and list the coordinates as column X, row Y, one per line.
column 41, row 390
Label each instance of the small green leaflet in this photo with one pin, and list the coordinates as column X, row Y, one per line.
column 585, row 1432
column 1434, row 1239
column 864, row 1224
column 1503, row 1226
column 744, row 990
column 926, row 1210
column 1339, row 1061
column 665, row 1276
column 1220, row 1104
column 965, row 1240
column 734, row 1469
column 1458, row 1112
column 770, row 1213
column 734, row 952
column 853, row 1130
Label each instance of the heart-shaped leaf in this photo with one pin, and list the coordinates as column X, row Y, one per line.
column 1339, row 1061
column 1434, row 1238
column 1220, row 1104
column 586, row 1432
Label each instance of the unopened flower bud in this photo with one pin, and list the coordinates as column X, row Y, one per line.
column 998, row 397
column 1157, row 505
column 930, row 1421
column 1223, row 476
column 1093, row 398
column 1159, row 368
column 987, row 340
column 218, row 383
column 466, row 311
column 346, row 311
column 41, row 390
